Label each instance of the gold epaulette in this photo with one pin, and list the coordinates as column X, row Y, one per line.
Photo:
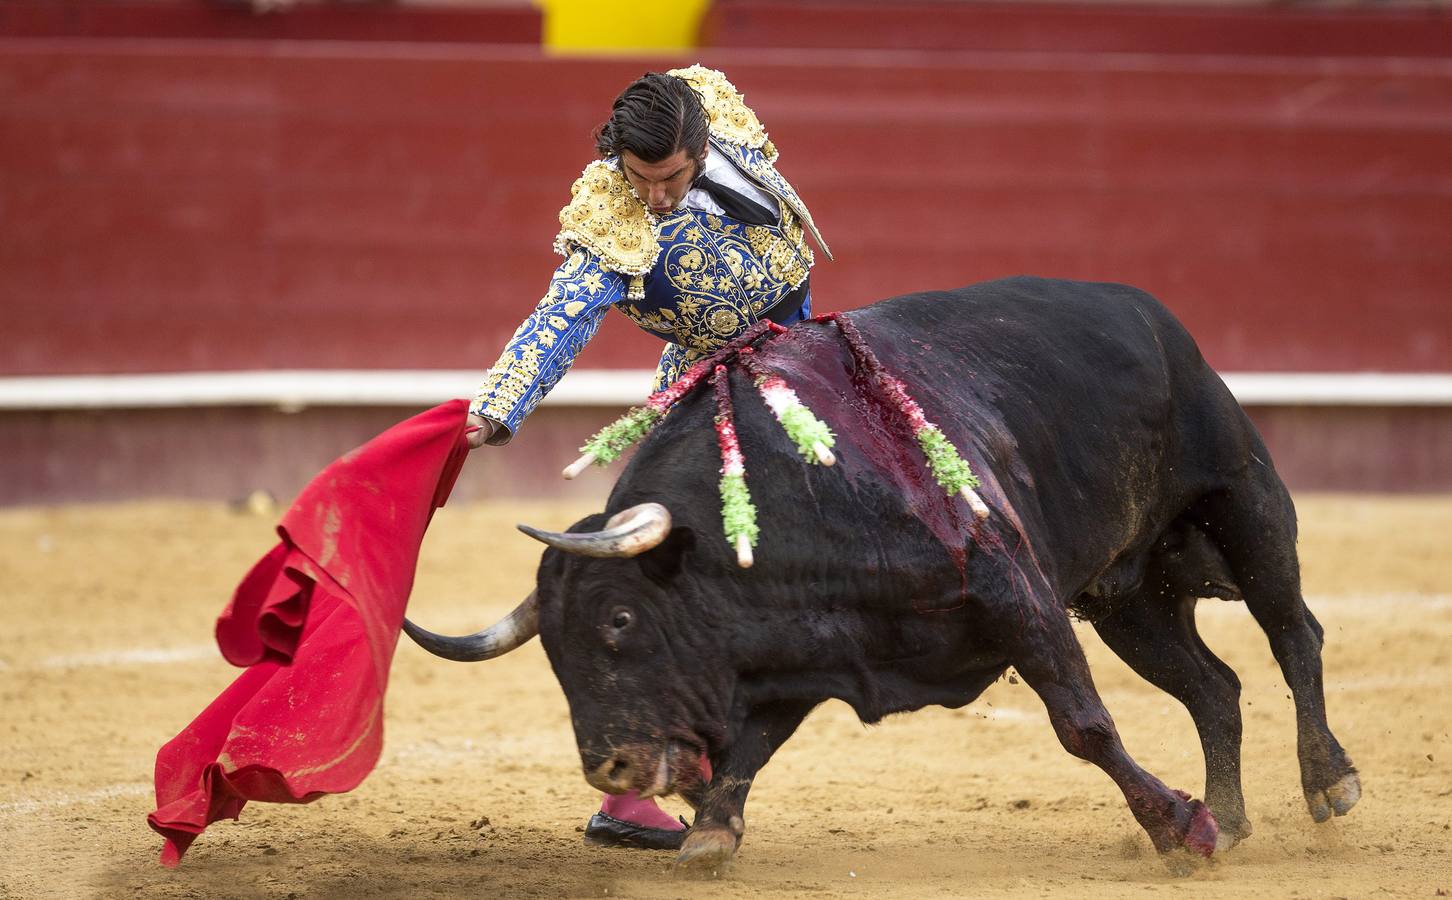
column 731, row 119
column 606, row 217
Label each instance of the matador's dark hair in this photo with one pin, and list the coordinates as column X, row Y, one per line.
column 653, row 118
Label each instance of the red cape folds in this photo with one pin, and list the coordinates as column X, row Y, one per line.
column 316, row 622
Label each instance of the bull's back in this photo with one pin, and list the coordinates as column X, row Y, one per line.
column 1067, row 398
column 1037, row 354
column 1088, row 403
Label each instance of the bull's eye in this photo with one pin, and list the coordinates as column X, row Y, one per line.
column 620, row 618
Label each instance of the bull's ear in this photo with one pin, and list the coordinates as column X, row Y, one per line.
column 662, row 563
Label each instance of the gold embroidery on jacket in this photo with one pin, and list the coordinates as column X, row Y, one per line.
column 606, row 217
column 547, row 341
column 722, row 276
column 731, row 119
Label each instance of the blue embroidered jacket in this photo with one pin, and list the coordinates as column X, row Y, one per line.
column 693, row 278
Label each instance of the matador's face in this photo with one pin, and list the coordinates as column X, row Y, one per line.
column 661, row 185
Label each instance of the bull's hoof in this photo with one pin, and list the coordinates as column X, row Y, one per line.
column 707, row 852
column 1336, row 799
column 1228, row 837
column 1183, row 862
column 1202, row 835
column 1228, row 808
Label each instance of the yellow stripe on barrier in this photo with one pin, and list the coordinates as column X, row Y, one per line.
column 604, row 27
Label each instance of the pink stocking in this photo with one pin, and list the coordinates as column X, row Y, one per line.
column 631, row 808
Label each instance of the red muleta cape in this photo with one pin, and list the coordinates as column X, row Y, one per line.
column 315, row 622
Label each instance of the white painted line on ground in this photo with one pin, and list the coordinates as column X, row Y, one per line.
column 56, row 801
column 137, row 656
column 293, row 390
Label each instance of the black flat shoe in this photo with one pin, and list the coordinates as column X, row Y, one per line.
column 607, row 831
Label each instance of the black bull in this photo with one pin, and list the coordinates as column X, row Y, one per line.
column 1124, row 479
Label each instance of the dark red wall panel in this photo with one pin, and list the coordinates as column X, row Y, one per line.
column 948, row 25
column 178, row 205
column 500, row 22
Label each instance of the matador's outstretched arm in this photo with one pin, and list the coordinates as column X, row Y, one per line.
column 546, row 344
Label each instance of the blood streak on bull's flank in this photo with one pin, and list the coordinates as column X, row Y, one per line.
column 874, row 435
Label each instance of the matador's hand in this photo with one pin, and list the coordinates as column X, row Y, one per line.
column 484, row 429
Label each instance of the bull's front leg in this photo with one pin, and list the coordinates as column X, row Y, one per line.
column 1050, row 659
column 720, row 820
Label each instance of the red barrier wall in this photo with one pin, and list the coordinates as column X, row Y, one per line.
column 1241, row 30
column 501, row 22
column 172, row 205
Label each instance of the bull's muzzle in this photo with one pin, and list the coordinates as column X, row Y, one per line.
column 653, row 771
column 620, row 773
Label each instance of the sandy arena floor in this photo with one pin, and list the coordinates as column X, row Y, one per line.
column 105, row 654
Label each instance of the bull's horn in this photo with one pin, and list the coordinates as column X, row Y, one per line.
column 496, row 640
column 629, row 532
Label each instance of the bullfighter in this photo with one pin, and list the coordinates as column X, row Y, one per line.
column 686, row 227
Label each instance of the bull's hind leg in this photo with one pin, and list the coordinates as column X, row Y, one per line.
column 1254, row 524
column 1052, row 662
column 1156, row 636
